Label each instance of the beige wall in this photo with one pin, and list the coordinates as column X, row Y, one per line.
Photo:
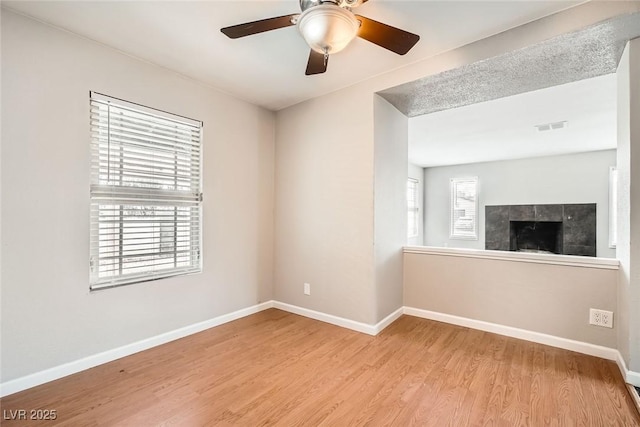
column 325, row 173
column 49, row 317
column 391, row 138
column 324, row 202
column 551, row 299
column 628, row 245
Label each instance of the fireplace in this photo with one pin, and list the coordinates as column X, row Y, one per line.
column 535, row 236
column 559, row 229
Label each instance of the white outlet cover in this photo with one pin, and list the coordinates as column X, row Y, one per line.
column 602, row 318
column 606, row 318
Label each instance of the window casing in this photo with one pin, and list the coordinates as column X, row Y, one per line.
column 613, row 206
column 464, row 208
column 413, row 211
column 146, row 195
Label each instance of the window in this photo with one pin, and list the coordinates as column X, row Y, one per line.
column 613, row 206
column 412, row 208
column 464, row 208
column 145, row 193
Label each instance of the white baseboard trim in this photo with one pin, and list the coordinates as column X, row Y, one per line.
column 51, row 374
column 365, row 328
column 32, row 380
column 622, row 366
column 388, row 320
column 630, row 377
column 633, row 378
column 47, row 375
column 523, row 334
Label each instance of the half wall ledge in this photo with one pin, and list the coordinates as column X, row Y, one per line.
column 568, row 260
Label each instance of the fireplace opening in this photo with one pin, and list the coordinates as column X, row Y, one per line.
column 534, row 236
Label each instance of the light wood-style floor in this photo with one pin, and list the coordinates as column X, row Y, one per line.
column 278, row 368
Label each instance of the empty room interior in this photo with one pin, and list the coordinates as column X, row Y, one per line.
column 310, row 212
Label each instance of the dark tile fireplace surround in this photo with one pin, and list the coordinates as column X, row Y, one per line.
column 560, row 229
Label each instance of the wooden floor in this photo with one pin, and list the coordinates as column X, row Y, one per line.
column 278, row 368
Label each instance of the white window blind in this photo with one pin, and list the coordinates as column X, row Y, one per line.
column 412, row 208
column 145, row 193
column 464, row 208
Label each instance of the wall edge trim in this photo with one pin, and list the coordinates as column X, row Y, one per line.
column 552, row 259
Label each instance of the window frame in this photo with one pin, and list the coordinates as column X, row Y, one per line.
column 452, row 190
column 613, row 206
column 148, row 196
column 415, row 209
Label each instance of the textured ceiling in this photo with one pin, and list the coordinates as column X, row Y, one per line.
column 583, row 54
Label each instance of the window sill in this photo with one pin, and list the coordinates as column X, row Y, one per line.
column 452, row 237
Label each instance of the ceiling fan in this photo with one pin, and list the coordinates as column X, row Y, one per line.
column 328, row 26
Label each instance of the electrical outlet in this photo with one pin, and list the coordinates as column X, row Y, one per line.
column 307, row 289
column 606, row 319
column 601, row 318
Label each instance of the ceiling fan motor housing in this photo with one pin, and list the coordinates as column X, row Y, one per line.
column 328, row 28
column 306, row 4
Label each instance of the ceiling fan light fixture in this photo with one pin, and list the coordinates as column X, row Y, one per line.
column 328, row 29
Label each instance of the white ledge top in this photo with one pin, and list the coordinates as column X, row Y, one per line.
column 569, row 260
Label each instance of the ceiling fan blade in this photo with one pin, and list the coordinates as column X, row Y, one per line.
column 386, row 36
column 255, row 27
column 317, row 63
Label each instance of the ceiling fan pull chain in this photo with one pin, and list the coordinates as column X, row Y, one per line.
column 326, row 56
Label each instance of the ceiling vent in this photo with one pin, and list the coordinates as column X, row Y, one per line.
column 551, row 126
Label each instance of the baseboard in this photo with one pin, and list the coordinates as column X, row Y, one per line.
column 622, row 366
column 51, row 374
column 634, row 396
column 633, row 378
column 630, row 377
column 388, row 320
column 32, row 380
column 523, row 334
column 365, row 328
